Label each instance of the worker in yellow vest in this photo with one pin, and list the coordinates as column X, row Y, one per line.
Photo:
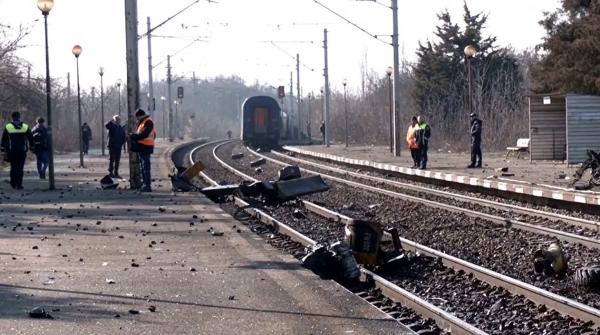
column 142, row 142
column 16, row 141
column 411, row 141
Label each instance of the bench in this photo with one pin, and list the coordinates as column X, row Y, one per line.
column 522, row 146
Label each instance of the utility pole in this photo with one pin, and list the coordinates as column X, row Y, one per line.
column 169, row 99
column 151, row 105
column 326, row 75
column 292, row 96
column 298, row 94
column 397, row 116
column 133, row 85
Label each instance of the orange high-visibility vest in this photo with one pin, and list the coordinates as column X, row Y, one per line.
column 411, row 137
column 149, row 141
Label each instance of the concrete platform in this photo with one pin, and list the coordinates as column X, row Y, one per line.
column 98, row 260
column 537, row 179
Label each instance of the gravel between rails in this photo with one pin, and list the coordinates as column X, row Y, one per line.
column 395, row 177
column 531, row 219
column 492, row 309
column 504, row 250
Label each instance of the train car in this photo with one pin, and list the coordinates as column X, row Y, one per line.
column 261, row 122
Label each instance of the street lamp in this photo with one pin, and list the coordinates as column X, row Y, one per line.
column 119, row 83
column 76, row 52
column 345, row 83
column 45, row 6
column 389, row 71
column 101, row 73
column 164, row 115
column 470, row 53
column 175, row 125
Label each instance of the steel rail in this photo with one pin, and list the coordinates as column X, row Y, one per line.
column 559, row 303
column 442, row 318
column 484, row 202
column 498, row 220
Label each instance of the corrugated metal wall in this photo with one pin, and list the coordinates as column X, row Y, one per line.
column 547, row 128
column 583, row 126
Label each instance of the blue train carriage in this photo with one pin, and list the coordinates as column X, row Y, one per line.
column 261, row 122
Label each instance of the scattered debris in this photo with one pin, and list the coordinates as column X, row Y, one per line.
column 258, row 170
column 332, row 262
column 298, row 214
column 258, row 162
column 501, row 169
column 152, row 308
column 39, row 313
column 550, row 262
column 110, row 281
column 161, row 209
column 108, row 183
column 134, row 311
column 217, row 233
column 50, row 281
column 238, row 155
column 289, row 172
column 587, row 277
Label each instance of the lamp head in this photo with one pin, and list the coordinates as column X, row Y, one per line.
column 45, row 6
column 389, row 71
column 76, row 50
column 101, row 71
column 470, row 51
column 345, row 82
column 119, row 83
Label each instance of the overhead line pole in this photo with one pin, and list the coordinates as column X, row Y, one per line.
column 326, row 75
column 397, row 116
column 169, row 99
column 298, row 94
column 133, row 85
column 151, row 105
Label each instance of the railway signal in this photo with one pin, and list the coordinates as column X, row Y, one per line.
column 180, row 92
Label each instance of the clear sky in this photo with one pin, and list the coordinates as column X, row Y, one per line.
column 236, row 35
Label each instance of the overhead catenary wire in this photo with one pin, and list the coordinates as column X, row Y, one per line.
column 172, row 17
column 178, row 51
column 351, row 23
column 289, row 54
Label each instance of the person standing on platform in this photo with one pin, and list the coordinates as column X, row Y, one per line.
column 116, row 140
column 476, row 128
column 142, row 142
column 229, row 133
column 411, row 140
column 16, row 141
column 40, row 146
column 422, row 135
column 86, row 137
column 322, row 130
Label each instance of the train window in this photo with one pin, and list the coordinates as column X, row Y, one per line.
column 260, row 120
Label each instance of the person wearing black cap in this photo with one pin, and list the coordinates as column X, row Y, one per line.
column 476, row 128
column 142, row 142
column 16, row 140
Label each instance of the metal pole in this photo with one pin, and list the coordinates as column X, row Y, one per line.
column 49, row 111
column 298, row 94
column 346, row 115
column 391, row 103
column 79, row 116
column 292, row 98
column 308, row 130
column 169, row 99
column 469, row 84
column 397, row 115
column 133, row 85
column 150, row 82
column 164, row 118
column 102, row 108
column 326, row 75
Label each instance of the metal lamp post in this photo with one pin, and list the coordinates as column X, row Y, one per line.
column 164, row 116
column 119, row 83
column 308, row 131
column 101, row 73
column 389, row 71
column 175, row 125
column 470, row 53
column 76, row 52
column 45, row 6
column 345, row 83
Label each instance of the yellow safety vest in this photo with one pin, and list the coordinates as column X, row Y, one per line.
column 11, row 129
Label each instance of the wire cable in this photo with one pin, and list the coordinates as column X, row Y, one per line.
column 289, row 54
column 352, row 23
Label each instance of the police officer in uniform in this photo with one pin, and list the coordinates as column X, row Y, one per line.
column 142, row 142
column 16, row 141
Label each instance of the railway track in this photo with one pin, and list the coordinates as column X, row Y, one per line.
column 494, row 299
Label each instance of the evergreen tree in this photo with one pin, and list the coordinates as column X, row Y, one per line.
column 571, row 63
column 441, row 77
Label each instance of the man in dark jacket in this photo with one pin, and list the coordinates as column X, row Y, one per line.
column 86, row 137
column 423, row 134
column 142, row 142
column 16, row 139
column 476, row 127
column 40, row 143
column 116, row 139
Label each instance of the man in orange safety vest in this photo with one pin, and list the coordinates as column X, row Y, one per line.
column 411, row 140
column 142, row 142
